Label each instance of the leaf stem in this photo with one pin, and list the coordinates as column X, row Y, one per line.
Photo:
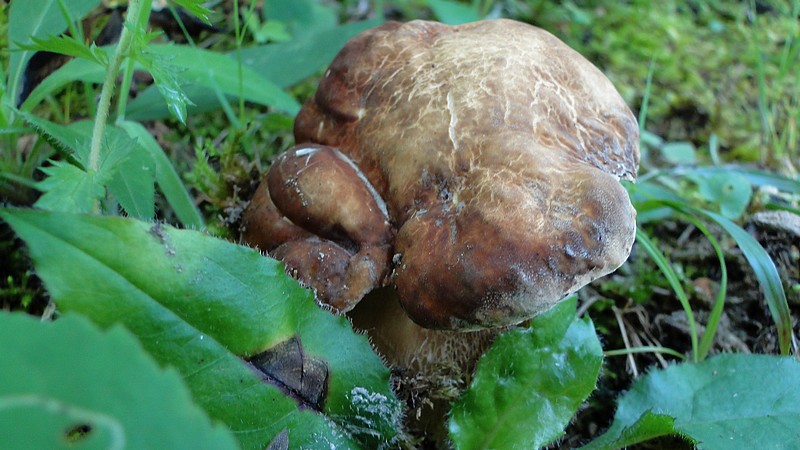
column 104, row 104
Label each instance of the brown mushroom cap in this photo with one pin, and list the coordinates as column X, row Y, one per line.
column 497, row 150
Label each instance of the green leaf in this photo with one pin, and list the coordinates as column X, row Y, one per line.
column 300, row 16
column 167, row 178
column 197, row 303
column 763, row 267
column 74, row 70
column 291, row 62
column 71, row 143
column 754, row 177
column 720, row 403
column 283, row 64
column 213, row 71
column 68, row 45
column 68, row 385
column 36, row 19
column 649, row 426
column 766, row 273
column 732, row 192
column 196, row 8
column 679, row 153
column 453, row 13
column 529, row 384
column 127, row 169
column 165, row 77
column 272, row 31
column 68, row 188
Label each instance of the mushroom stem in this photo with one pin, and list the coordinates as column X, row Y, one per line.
column 430, row 367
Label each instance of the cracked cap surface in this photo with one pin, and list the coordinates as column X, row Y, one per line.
column 498, row 151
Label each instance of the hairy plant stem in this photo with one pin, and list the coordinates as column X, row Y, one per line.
column 104, row 104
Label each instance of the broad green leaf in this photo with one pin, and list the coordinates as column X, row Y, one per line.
column 649, row 426
column 288, row 63
column 269, row 31
column 167, row 178
column 283, row 64
column 299, row 16
column 754, row 176
column 197, row 303
column 529, row 384
column 36, row 18
column 452, row 12
column 68, row 188
column 732, row 192
column 69, row 385
column 720, row 403
column 210, row 71
column 679, row 153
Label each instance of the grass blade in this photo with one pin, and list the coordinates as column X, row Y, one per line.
column 674, row 282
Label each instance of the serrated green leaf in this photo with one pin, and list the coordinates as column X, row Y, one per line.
column 68, row 188
column 68, row 375
column 70, row 46
column 36, row 19
column 128, row 171
column 196, row 302
column 165, row 77
column 720, row 403
column 68, row 141
column 196, row 8
column 529, row 384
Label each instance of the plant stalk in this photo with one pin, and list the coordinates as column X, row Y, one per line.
column 104, row 104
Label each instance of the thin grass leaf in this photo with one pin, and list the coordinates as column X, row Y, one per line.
column 645, row 349
column 674, row 282
column 70, row 46
column 763, row 267
column 766, row 273
column 719, row 303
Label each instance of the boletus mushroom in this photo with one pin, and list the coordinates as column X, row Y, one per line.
column 471, row 170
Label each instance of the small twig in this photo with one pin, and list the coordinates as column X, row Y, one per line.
column 624, row 332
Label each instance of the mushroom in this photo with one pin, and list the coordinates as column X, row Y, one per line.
column 473, row 169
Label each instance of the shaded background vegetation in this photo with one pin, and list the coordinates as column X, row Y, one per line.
column 715, row 83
